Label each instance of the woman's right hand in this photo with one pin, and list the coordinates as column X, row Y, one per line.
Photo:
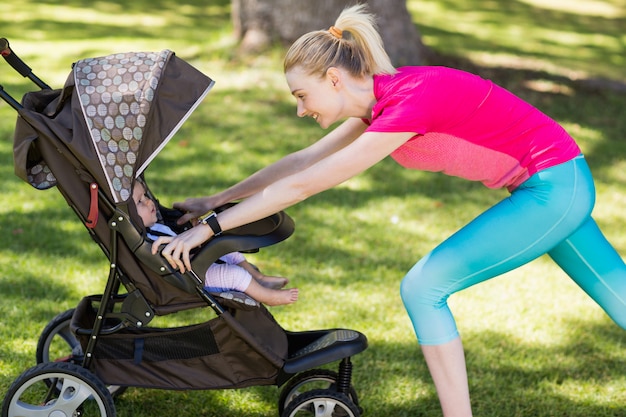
column 178, row 248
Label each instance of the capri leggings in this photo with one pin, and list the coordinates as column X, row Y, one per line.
column 549, row 213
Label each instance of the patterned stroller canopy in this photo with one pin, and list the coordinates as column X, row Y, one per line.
column 125, row 108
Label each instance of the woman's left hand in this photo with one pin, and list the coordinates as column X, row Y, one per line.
column 177, row 248
column 194, row 208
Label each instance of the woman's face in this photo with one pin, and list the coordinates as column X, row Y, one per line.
column 316, row 97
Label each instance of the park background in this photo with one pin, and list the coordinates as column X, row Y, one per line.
column 535, row 344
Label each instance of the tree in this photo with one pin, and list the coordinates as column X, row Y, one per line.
column 260, row 23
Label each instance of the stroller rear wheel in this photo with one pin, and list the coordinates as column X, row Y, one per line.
column 322, row 403
column 79, row 393
column 57, row 343
column 309, row 380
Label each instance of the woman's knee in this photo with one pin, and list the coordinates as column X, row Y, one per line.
column 422, row 286
column 425, row 299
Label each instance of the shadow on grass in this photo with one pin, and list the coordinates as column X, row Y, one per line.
column 530, row 379
column 514, row 379
column 73, row 20
column 41, row 240
column 29, row 301
column 534, row 32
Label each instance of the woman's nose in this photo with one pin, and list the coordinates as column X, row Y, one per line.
column 300, row 110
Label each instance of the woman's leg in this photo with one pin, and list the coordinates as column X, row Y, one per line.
column 592, row 262
column 446, row 364
column 540, row 214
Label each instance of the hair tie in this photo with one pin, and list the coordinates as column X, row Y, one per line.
column 336, row 32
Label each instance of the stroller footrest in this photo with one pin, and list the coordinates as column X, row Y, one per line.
column 328, row 346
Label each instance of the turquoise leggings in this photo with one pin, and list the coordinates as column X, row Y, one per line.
column 549, row 213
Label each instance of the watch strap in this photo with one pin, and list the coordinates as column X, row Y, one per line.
column 210, row 219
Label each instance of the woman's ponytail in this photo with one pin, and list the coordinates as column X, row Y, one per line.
column 352, row 43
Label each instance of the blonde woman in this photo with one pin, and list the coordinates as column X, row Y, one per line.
column 434, row 119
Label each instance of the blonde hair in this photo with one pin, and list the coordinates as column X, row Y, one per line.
column 361, row 53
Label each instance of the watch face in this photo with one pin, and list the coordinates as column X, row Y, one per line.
column 206, row 217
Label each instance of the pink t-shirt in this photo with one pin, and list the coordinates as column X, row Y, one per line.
column 467, row 127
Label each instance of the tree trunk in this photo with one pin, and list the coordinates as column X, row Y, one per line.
column 260, row 23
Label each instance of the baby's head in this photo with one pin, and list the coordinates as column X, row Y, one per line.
column 145, row 205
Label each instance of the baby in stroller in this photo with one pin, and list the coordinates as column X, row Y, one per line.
column 231, row 272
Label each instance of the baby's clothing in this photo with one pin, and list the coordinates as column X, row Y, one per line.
column 159, row 229
column 223, row 275
column 227, row 274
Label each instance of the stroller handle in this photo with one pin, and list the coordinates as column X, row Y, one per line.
column 19, row 65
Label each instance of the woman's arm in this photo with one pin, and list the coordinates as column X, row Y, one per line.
column 333, row 169
column 288, row 165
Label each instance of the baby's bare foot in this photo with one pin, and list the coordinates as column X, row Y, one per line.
column 282, row 297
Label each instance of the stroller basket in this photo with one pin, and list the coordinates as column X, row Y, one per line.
column 182, row 357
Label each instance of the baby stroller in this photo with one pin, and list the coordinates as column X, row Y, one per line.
column 92, row 140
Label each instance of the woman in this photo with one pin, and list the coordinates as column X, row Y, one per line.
column 435, row 119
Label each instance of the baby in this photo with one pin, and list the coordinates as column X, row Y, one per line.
column 231, row 272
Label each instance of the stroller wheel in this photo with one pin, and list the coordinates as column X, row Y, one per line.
column 309, row 380
column 80, row 393
column 322, row 403
column 57, row 343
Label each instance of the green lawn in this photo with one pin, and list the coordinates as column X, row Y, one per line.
column 536, row 345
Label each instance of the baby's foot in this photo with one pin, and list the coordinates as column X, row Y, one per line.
column 282, row 297
column 274, row 283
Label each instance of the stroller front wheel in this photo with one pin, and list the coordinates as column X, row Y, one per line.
column 322, row 403
column 307, row 381
column 79, row 393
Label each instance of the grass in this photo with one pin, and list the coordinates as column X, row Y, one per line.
column 535, row 344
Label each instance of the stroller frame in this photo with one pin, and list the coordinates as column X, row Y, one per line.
column 107, row 337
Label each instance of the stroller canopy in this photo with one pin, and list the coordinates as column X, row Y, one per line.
column 125, row 107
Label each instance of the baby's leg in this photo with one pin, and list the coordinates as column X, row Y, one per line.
column 223, row 277
column 272, row 282
column 270, row 296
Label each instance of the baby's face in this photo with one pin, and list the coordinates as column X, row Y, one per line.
column 145, row 206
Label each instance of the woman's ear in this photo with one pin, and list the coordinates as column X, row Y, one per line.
column 333, row 75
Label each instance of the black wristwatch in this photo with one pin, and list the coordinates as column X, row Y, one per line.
column 210, row 219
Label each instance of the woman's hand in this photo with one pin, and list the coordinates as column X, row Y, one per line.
column 177, row 248
column 194, row 208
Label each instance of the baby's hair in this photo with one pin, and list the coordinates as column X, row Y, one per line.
column 361, row 53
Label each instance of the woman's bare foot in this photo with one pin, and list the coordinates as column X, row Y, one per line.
column 272, row 282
